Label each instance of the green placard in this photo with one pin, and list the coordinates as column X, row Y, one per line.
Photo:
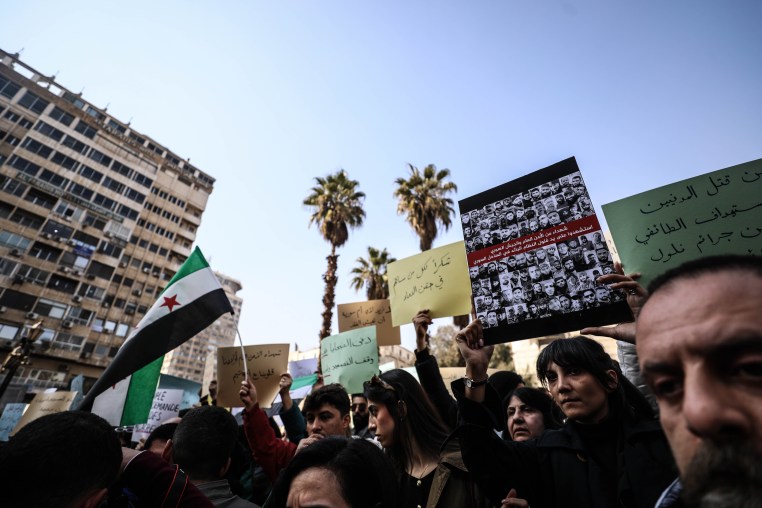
column 715, row 213
column 350, row 358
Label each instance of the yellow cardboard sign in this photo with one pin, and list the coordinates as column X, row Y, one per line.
column 437, row 280
column 45, row 404
column 266, row 363
column 371, row 312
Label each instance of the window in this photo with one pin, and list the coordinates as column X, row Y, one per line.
column 34, row 102
column 17, row 300
column 69, row 211
column 85, row 130
column 113, row 185
column 39, row 198
column 8, row 88
column 81, row 191
column 80, row 315
column 63, row 284
column 5, row 209
column 62, row 116
column 110, row 249
column 135, row 195
column 67, row 342
column 64, row 161
column 101, row 350
column 53, row 178
column 74, row 99
column 7, row 266
column 45, row 252
column 121, row 169
column 34, row 275
column 35, row 146
column 72, row 260
column 100, row 270
column 105, row 202
column 75, row 144
column 12, row 187
column 14, row 241
column 8, row 332
column 90, row 291
column 57, row 229
column 117, row 127
column 127, row 212
column 94, row 221
column 121, row 330
column 23, row 165
column 48, row 130
column 99, row 157
column 142, row 180
column 90, row 173
column 85, row 241
column 50, row 308
column 27, row 219
column 10, row 115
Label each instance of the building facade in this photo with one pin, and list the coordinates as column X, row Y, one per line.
column 95, row 219
column 190, row 359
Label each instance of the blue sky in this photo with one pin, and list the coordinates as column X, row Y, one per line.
column 264, row 96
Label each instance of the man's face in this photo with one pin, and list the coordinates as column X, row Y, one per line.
column 554, row 218
column 602, row 294
column 492, row 268
column 327, row 420
column 492, row 319
column 487, row 300
column 534, row 272
column 569, row 265
column 563, row 249
column 465, row 219
column 535, row 193
column 550, row 289
column 511, row 263
column 474, row 272
column 588, row 296
column 700, row 348
column 359, row 412
column 565, row 302
column 545, row 269
column 543, row 221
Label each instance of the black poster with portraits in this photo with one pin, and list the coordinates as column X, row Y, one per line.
column 535, row 249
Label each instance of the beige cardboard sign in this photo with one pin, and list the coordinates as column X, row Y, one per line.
column 45, row 404
column 266, row 363
column 437, row 280
column 367, row 313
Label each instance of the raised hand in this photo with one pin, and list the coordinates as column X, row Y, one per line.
column 421, row 322
column 248, row 394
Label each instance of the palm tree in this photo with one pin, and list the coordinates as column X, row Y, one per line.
column 423, row 198
column 371, row 273
column 336, row 207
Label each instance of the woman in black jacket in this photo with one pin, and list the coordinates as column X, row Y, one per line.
column 610, row 452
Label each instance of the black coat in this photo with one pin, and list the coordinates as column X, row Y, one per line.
column 556, row 469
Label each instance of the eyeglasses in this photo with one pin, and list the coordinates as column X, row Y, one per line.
column 359, row 407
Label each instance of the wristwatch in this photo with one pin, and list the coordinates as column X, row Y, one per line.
column 470, row 383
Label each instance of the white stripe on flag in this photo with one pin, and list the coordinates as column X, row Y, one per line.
column 109, row 405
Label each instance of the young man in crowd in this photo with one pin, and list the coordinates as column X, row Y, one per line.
column 360, row 417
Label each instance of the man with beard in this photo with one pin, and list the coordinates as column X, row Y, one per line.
column 360, row 416
column 699, row 339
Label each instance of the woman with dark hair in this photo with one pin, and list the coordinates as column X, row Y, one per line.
column 609, row 452
column 429, row 468
column 529, row 412
column 337, row 472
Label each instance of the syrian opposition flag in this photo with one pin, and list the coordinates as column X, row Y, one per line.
column 192, row 300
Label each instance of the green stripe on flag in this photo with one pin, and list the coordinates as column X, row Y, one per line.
column 303, row 381
column 140, row 395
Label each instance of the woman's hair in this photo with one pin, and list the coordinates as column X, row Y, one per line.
column 364, row 474
column 416, row 421
column 538, row 399
column 586, row 354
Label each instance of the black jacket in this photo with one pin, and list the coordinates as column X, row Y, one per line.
column 556, row 470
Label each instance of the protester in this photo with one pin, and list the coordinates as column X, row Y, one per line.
column 327, row 414
column 340, row 473
column 529, row 411
column 429, row 468
column 360, row 416
column 202, row 446
column 70, row 459
column 699, row 339
column 157, row 439
column 610, row 452
column 210, row 399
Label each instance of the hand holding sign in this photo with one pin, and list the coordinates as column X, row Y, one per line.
column 266, row 363
column 350, row 358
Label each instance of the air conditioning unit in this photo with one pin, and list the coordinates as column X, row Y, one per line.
column 137, row 292
column 16, row 253
column 129, row 311
column 105, row 305
column 3, row 308
column 72, row 243
column 59, row 239
column 108, row 234
column 146, row 270
column 47, row 236
column 84, row 355
column 122, row 265
column 77, row 298
column 67, row 324
column 64, row 269
column 156, row 274
column 77, row 273
column 66, row 218
column 32, row 315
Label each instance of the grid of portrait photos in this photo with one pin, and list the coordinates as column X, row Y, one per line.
column 556, row 280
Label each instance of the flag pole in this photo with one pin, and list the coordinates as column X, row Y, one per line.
column 243, row 353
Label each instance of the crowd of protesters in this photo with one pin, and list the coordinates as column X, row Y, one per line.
column 589, row 437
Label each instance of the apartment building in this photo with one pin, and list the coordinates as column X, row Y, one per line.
column 95, row 219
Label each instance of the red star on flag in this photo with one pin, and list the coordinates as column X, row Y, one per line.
column 170, row 302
